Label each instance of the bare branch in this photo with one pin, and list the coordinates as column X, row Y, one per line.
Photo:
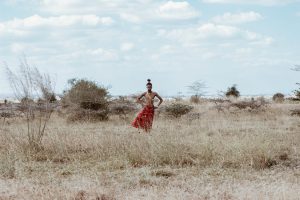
column 29, row 85
column 197, row 88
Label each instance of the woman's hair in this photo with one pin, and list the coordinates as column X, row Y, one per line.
column 149, row 82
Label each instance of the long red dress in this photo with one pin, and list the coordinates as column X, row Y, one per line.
column 144, row 119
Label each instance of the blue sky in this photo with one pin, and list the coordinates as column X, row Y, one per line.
column 118, row 43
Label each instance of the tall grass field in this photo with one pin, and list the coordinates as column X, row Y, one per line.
column 206, row 154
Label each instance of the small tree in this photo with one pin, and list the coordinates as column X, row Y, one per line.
column 86, row 101
column 232, row 91
column 30, row 84
column 278, row 97
column 197, row 89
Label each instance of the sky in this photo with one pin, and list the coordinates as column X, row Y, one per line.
column 120, row 44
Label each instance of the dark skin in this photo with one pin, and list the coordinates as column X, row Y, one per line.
column 149, row 96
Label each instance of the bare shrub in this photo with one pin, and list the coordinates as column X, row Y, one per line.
column 278, row 97
column 221, row 104
column 232, row 92
column 177, row 109
column 194, row 99
column 163, row 173
column 262, row 161
column 122, row 107
column 27, row 85
column 86, row 101
column 297, row 92
column 295, row 112
column 80, row 114
column 253, row 105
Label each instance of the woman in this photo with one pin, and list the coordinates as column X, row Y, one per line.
column 145, row 117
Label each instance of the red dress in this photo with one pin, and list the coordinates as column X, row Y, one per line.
column 144, row 119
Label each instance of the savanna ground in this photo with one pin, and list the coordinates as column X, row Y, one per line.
column 234, row 154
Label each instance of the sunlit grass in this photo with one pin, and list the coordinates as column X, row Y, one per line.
column 231, row 155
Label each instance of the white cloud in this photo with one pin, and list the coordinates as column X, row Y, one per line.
column 135, row 11
column 102, row 54
column 208, row 55
column 130, row 17
column 257, row 2
column 264, row 41
column 176, row 10
column 17, row 48
column 237, row 18
column 74, row 6
column 22, row 27
column 167, row 49
column 86, row 55
column 126, row 46
column 60, row 21
column 202, row 32
column 191, row 36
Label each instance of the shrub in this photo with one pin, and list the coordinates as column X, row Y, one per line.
column 297, row 92
column 122, row 107
column 278, row 97
column 232, row 92
column 26, row 100
column 177, row 109
column 195, row 99
column 85, row 91
column 253, row 105
column 27, row 85
column 86, row 100
column 295, row 112
column 87, row 115
column 52, row 98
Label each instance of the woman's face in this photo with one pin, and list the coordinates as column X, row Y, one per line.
column 149, row 87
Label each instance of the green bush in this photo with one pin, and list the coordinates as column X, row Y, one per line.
column 177, row 109
column 278, row 97
column 86, row 101
column 232, row 92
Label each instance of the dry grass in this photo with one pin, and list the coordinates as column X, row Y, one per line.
column 240, row 155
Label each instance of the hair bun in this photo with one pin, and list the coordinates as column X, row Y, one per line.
column 149, row 80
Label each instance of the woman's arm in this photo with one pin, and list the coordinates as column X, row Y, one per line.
column 160, row 99
column 138, row 100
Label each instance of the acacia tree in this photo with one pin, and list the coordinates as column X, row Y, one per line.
column 232, row 91
column 29, row 84
column 197, row 89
